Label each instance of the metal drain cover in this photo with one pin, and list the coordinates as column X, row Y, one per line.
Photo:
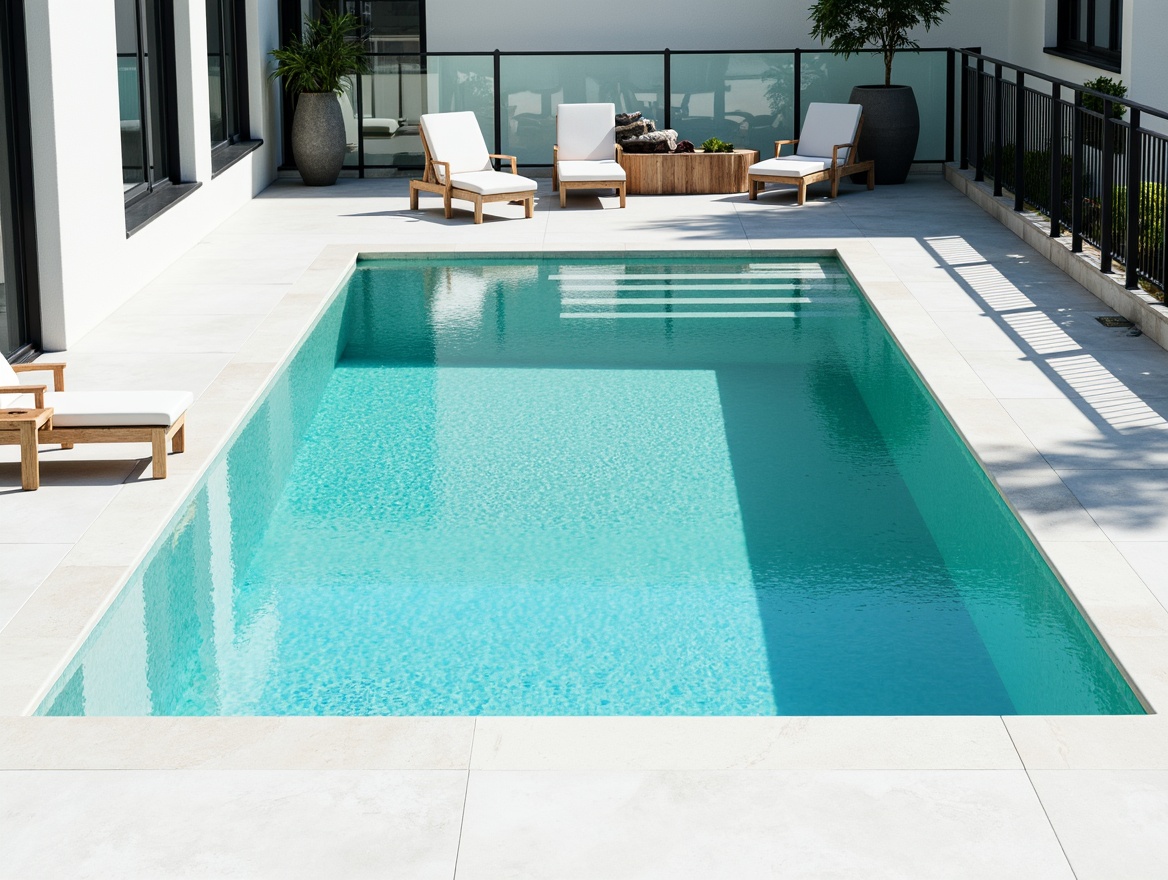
column 1113, row 321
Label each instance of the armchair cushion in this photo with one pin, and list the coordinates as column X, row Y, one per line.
column 586, row 131
column 101, row 409
column 789, row 166
column 491, row 183
column 571, row 172
column 455, row 138
column 826, row 126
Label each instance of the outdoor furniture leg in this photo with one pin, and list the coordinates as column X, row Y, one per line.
column 413, row 198
column 478, row 210
column 30, row 470
column 621, row 191
column 835, row 185
column 529, row 208
column 802, row 192
column 563, row 197
column 158, row 453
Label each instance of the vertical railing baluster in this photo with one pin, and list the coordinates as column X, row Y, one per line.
column 965, row 126
column 1019, row 140
column 950, row 104
column 1131, row 264
column 498, row 108
column 1077, row 174
column 797, row 102
column 1056, row 161
column 667, row 86
column 979, row 127
column 1107, row 200
column 998, row 110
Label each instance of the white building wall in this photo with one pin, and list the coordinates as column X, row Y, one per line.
column 559, row 25
column 88, row 267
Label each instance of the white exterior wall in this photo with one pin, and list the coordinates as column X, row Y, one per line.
column 88, row 267
column 559, row 25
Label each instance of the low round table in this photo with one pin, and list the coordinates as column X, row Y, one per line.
column 21, row 426
column 697, row 173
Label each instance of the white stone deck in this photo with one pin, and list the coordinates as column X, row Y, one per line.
column 1068, row 417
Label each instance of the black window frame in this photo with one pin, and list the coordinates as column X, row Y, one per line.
column 1103, row 51
column 160, row 160
column 17, row 131
column 233, row 79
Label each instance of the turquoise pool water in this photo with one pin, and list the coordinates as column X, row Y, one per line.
column 648, row 486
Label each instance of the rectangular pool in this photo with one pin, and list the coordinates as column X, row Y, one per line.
column 633, row 486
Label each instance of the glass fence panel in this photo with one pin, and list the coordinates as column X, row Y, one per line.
column 399, row 89
column 829, row 77
column 745, row 99
column 532, row 87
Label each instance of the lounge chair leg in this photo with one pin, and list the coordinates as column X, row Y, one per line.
column 529, row 207
column 621, row 191
column 754, row 187
column 178, row 440
column 30, row 469
column 447, row 206
column 563, row 196
column 413, row 198
column 835, row 186
column 802, row 196
column 872, row 178
column 158, row 453
column 478, row 210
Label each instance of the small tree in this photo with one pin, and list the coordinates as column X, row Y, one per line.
column 852, row 25
column 332, row 50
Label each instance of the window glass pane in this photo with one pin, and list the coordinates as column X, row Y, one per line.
column 154, row 71
column 1102, row 24
column 215, row 72
column 393, row 26
column 129, row 93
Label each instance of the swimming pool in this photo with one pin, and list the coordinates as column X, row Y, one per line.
column 638, row 486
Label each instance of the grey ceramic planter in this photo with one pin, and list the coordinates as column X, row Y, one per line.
column 891, row 128
column 318, row 138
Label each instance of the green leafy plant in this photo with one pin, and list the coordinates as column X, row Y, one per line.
column 1036, row 177
column 851, row 25
column 713, row 145
column 1150, row 212
column 1108, row 86
column 331, row 50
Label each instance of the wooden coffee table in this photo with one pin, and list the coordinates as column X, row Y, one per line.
column 697, row 173
column 21, row 426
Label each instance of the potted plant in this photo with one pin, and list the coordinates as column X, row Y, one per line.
column 891, row 120
column 315, row 71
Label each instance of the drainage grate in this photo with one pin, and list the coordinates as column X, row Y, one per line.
column 1113, row 321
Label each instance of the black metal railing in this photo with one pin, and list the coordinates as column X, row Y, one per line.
column 1085, row 159
column 751, row 98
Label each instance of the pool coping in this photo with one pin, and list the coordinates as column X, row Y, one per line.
column 1133, row 627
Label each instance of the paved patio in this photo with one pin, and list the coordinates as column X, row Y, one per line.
column 1068, row 417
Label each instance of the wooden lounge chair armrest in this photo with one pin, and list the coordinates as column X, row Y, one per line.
column 37, row 392
column 446, row 166
column 835, row 152
column 505, row 156
column 620, row 151
column 58, row 371
column 779, row 145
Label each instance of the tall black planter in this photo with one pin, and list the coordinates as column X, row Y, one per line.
column 318, row 138
column 891, row 128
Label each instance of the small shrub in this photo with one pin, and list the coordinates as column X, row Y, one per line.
column 1151, row 217
column 1093, row 127
column 1036, row 176
column 713, row 145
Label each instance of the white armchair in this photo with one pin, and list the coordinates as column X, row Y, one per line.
column 828, row 148
column 458, row 166
column 586, row 154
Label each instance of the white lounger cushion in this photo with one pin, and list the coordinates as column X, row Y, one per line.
column 586, row 132
column 789, row 166
column 572, row 171
column 456, row 138
column 492, row 183
column 103, row 409
column 826, row 126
